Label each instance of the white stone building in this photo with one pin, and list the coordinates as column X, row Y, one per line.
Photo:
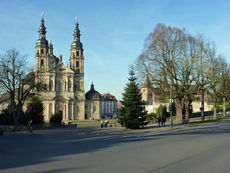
column 151, row 97
column 65, row 93
column 108, row 105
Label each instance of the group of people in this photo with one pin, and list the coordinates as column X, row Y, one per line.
column 161, row 120
column 104, row 123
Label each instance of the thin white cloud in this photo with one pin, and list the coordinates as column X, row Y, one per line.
column 95, row 60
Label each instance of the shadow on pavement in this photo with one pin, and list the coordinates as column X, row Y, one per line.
column 24, row 149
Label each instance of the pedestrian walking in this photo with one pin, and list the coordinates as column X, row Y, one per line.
column 159, row 121
column 105, row 125
column 163, row 120
column 30, row 126
column 102, row 124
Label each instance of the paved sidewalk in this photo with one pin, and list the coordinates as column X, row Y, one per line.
column 152, row 127
column 115, row 130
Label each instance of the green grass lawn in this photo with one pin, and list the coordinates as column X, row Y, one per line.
column 92, row 123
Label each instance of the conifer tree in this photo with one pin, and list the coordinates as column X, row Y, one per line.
column 133, row 114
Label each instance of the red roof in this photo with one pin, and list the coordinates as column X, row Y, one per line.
column 108, row 97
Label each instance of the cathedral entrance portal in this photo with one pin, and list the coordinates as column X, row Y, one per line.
column 60, row 113
column 60, row 108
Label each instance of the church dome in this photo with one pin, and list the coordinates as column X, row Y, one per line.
column 42, row 41
column 92, row 94
column 77, row 44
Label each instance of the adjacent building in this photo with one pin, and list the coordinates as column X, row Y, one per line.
column 93, row 104
column 152, row 98
column 108, row 105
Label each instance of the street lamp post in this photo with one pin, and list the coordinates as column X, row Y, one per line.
column 171, row 109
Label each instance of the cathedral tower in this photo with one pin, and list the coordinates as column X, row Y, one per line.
column 65, row 93
column 77, row 59
column 147, row 92
column 44, row 57
column 42, row 49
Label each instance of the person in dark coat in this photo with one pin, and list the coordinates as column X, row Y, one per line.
column 30, row 126
column 159, row 121
column 163, row 120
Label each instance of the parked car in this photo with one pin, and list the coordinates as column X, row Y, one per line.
column 1, row 131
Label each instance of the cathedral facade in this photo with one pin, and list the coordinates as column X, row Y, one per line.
column 64, row 92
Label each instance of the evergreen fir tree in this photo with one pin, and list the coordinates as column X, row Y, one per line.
column 133, row 114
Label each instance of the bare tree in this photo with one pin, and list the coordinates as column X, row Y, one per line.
column 189, row 62
column 225, row 82
column 16, row 80
column 214, row 72
column 203, row 54
column 169, row 59
column 183, row 65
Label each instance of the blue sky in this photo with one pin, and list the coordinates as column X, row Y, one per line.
column 113, row 32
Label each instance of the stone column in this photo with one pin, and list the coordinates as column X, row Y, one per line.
column 67, row 110
column 71, row 87
column 74, row 110
column 54, row 86
column 47, row 111
column 66, row 84
column 53, row 111
column 72, row 114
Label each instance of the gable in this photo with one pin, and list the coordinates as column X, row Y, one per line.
column 61, row 68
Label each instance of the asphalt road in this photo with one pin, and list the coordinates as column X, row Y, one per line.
column 195, row 149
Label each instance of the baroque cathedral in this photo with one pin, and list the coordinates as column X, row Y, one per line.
column 65, row 93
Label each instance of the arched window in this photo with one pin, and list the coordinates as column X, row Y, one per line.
column 65, row 85
column 77, row 64
column 69, row 84
column 94, row 108
column 77, row 53
column 42, row 62
column 50, row 85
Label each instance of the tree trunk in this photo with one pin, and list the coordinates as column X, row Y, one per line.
column 224, row 106
column 16, row 120
column 202, row 105
column 19, row 113
column 187, row 103
column 214, row 109
column 179, row 117
column 13, row 107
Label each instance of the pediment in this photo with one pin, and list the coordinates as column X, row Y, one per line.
column 62, row 98
column 61, row 68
